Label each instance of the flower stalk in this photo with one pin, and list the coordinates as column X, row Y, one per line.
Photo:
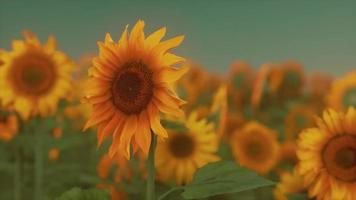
column 150, row 192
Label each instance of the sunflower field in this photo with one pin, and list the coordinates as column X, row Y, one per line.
column 138, row 122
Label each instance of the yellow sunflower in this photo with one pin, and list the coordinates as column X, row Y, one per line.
column 8, row 127
column 298, row 118
column 131, row 82
column 183, row 153
column 327, row 156
column 256, row 147
column 289, row 183
column 34, row 77
column 343, row 92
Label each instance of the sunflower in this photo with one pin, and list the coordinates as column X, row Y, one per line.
column 8, row 127
column 255, row 147
column 184, row 152
column 34, row 77
column 327, row 156
column 298, row 118
column 289, row 183
column 130, row 83
column 343, row 92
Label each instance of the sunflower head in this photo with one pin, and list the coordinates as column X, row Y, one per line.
column 131, row 82
column 34, row 77
column 183, row 153
column 256, row 147
column 343, row 92
column 8, row 127
column 327, row 156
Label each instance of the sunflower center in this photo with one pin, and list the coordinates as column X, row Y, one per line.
column 254, row 149
column 350, row 98
column 181, row 145
column 133, row 88
column 339, row 157
column 346, row 158
column 33, row 74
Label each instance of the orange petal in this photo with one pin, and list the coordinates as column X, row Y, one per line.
column 137, row 34
column 110, row 126
column 171, row 59
column 51, row 43
column 108, row 39
column 153, row 39
column 164, row 46
column 114, row 147
column 168, row 108
column 98, row 117
column 143, row 134
column 123, row 39
column 155, row 121
column 128, row 131
column 170, row 74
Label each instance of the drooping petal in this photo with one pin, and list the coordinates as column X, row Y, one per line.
column 143, row 134
column 128, row 131
column 155, row 121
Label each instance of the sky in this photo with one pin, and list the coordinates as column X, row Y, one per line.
column 319, row 34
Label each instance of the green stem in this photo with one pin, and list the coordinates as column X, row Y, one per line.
column 150, row 192
column 17, row 175
column 38, row 167
column 164, row 195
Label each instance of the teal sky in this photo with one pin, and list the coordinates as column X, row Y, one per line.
column 320, row 34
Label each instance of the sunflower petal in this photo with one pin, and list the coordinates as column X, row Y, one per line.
column 143, row 134
column 128, row 131
column 155, row 121
column 164, row 46
column 170, row 74
column 153, row 39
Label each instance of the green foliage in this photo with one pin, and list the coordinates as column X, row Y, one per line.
column 221, row 178
column 88, row 194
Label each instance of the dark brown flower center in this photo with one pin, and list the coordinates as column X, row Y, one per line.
column 133, row 88
column 33, row 74
column 339, row 157
column 181, row 145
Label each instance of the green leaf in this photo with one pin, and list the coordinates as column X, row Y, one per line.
column 221, row 178
column 88, row 194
